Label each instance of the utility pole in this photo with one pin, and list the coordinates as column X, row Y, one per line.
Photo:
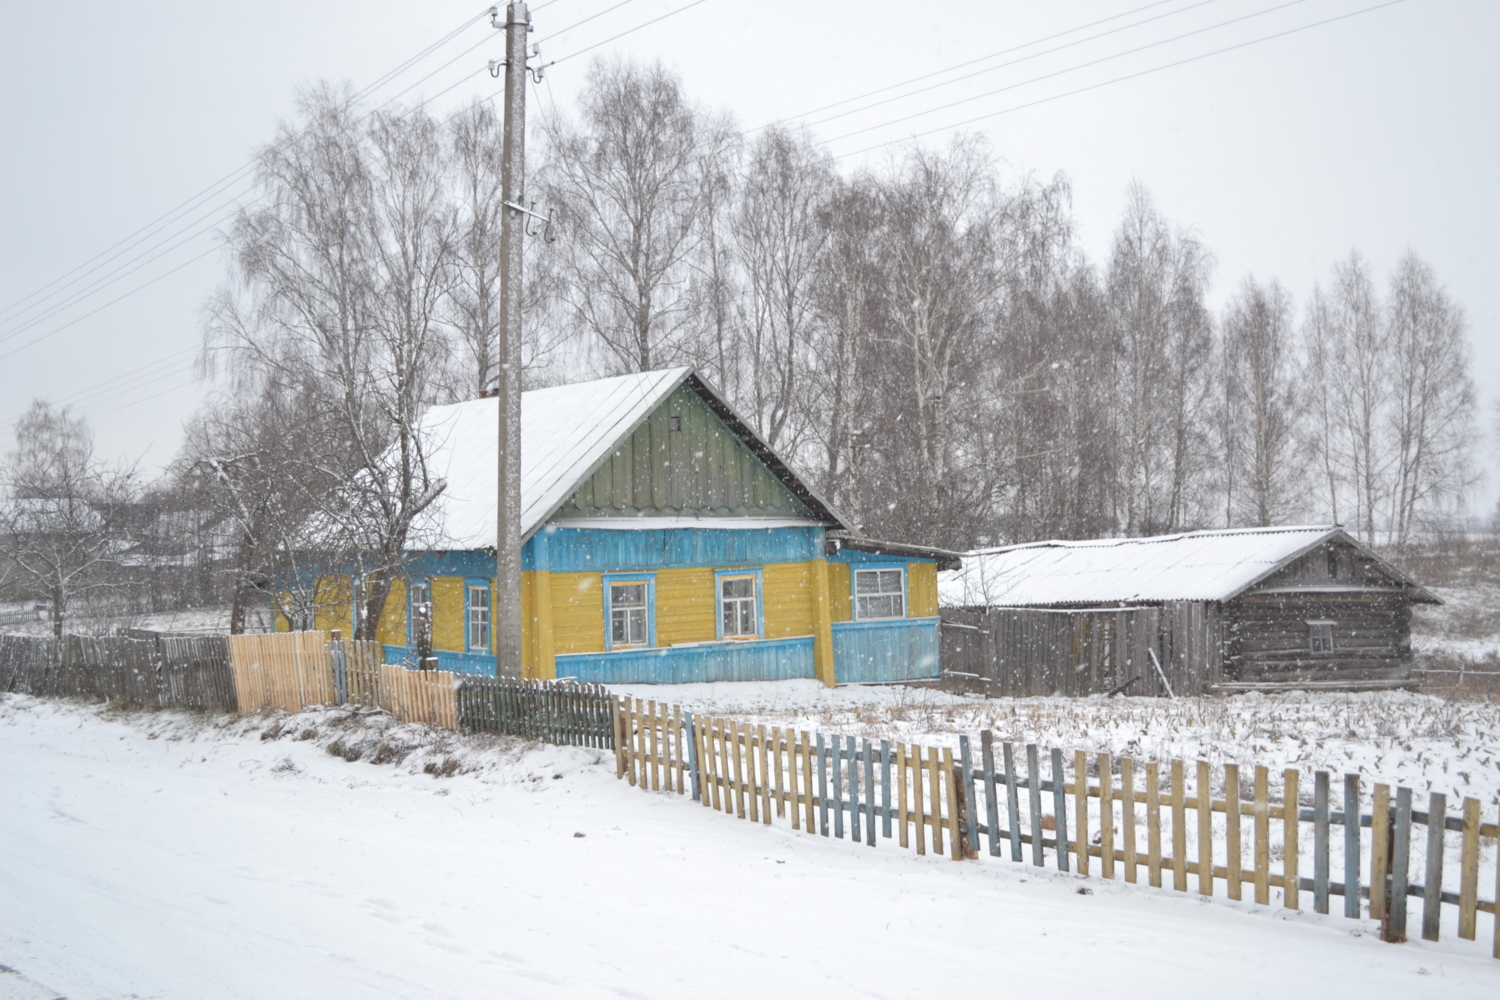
column 512, row 231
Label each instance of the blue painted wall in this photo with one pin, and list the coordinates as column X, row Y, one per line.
column 905, row 649
column 766, row 660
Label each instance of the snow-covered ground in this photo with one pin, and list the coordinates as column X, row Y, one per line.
column 165, row 855
column 1425, row 742
column 1465, row 626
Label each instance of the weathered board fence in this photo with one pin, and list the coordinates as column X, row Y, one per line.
column 1189, row 827
column 1022, row 652
column 562, row 712
column 163, row 672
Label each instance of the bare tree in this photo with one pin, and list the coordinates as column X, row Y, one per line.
column 58, row 525
column 1157, row 280
column 1261, row 404
column 1433, row 401
column 628, row 180
column 345, row 274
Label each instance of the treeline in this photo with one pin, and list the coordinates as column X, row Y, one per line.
column 924, row 339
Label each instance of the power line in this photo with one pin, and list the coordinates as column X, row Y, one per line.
column 1072, row 69
column 1120, row 79
column 230, row 178
column 629, row 31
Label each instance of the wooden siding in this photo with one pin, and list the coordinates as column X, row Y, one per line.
column 331, row 598
column 588, row 549
column 1348, row 566
column 703, row 468
column 788, row 600
column 921, row 589
column 448, row 613
column 577, row 612
column 392, row 629
column 905, row 649
column 783, row 659
column 685, row 606
column 1267, row 637
column 840, row 605
column 1028, row 651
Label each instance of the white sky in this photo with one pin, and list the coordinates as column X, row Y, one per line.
column 1378, row 132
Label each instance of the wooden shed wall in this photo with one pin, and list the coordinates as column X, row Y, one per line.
column 1268, row 637
column 1030, row 652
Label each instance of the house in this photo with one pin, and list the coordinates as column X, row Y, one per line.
column 1255, row 608
column 663, row 542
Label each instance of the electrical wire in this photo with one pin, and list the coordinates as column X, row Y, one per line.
column 1072, row 69
column 1121, row 79
column 629, row 31
column 151, row 227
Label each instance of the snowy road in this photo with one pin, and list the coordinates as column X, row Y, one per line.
column 220, row 865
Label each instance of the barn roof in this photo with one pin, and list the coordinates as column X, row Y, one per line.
column 1195, row 566
column 567, row 432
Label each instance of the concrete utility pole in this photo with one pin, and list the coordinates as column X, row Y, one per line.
column 512, row 231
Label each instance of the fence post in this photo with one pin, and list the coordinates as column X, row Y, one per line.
column 1351, row 845
column 885, row 789
column 1059, row 809
column 692, row 742
column 1320, row 842
column 1291, row 818
column 822, row 788
column 971, row 809
column 869, row 795
column 991, row 805
column 1012, row 801
column 1432, row 887
column 1400, row 858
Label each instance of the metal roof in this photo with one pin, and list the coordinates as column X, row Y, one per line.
column 567, row 432
column 1195, row 566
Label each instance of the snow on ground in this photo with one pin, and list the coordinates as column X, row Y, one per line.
column 1425, row 742
column 166, row 855
column 1465, row 626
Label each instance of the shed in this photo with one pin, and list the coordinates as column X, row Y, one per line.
column 664, row 541
column 1234, row 609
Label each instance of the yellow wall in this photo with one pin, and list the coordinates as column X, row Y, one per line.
column 838, row 592
column 788, row 599
column 685, row 605
column 921, row 590
column 332, row 611
column 577, row 612
column 393, row 619
column 448, row 613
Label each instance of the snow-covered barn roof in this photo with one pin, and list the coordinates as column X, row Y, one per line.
column 1195, row 566
column 567, row 432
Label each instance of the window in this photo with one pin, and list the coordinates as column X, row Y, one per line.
column 628, row 607
column 674, row 423
column 1320, row 637
column 879, row 593
column 1333, row 563
column 737, row 615
column 479, row 617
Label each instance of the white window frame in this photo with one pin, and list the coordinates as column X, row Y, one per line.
column 477, row 623
column 613, row 580
column 757, row 609
column 854, row 594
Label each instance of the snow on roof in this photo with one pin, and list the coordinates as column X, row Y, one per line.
column 1196, row 566
column 566, row 431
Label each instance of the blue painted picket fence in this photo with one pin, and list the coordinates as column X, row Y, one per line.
column 1027, row 807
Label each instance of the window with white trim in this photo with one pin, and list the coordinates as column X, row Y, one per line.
column 628, row 607
column 879, row 593
column 737, row 607
column 479, row 618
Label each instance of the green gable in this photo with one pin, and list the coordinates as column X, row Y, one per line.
column 702, row 468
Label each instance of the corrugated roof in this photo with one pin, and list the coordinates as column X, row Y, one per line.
column 566, row 431
column 1196, row 566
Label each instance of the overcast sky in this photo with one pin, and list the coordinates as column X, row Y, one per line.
column 1377, row 131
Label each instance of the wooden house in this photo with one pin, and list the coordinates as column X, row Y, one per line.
column 664, row 542
column 1257, row 608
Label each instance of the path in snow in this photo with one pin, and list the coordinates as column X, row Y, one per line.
column 208, row 863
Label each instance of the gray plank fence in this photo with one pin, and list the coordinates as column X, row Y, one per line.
column 567, row 713
column 164, row 672
column 1187, row 826
column 1022, row 652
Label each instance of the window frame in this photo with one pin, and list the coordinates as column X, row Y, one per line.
column 857, row 568
column 470, row 585
column 1314, row 626
column 609, row 580
column 754, row 572
column 421, row 586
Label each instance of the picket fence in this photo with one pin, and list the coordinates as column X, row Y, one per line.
column 164, row 672
column 1197, row 821
column 561, row 712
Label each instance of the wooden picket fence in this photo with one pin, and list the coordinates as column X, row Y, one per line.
column 1186, row 827
column 562, row 712
column 425, row 696
column 161, row 672
column 285, row 670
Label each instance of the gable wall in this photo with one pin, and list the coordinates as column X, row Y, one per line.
column 702, row 469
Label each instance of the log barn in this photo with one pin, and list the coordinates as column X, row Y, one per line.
column 1228, row 610
column 664, row 542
